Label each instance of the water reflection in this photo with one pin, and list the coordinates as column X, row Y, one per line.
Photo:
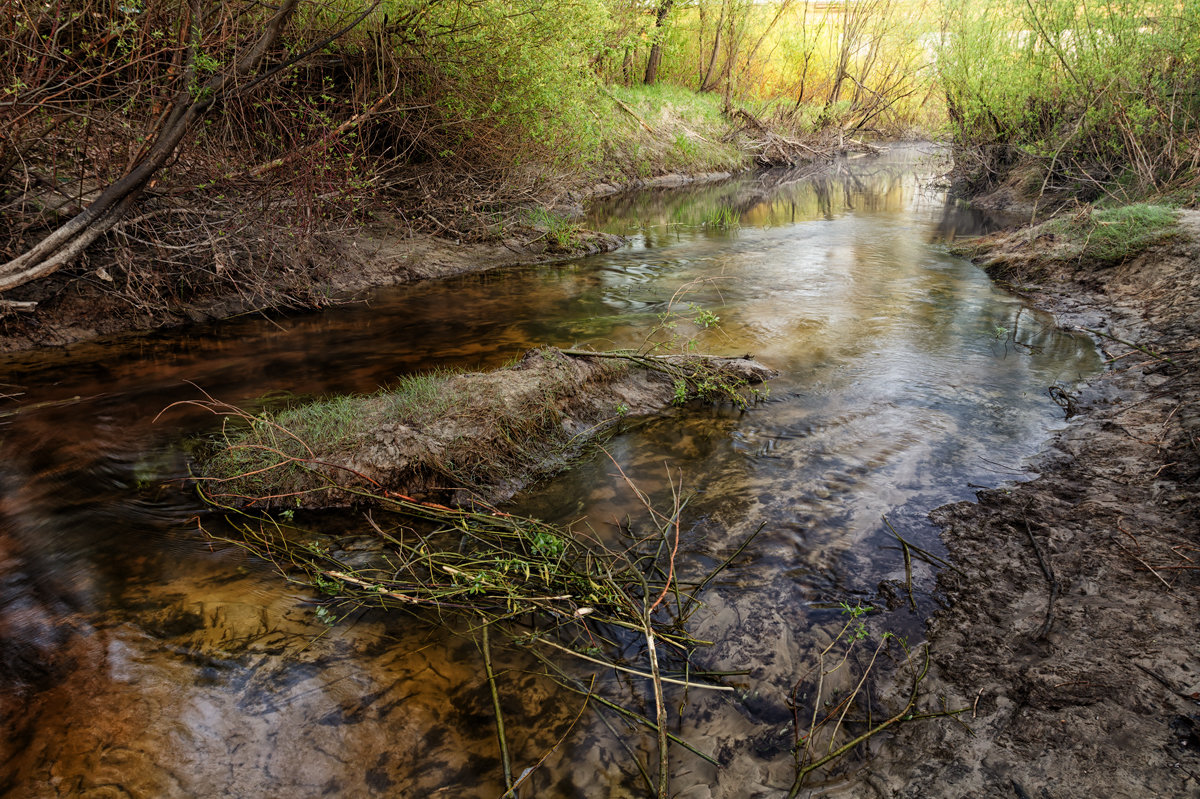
column 139, row 655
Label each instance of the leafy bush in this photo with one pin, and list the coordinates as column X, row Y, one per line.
column 1096, row 94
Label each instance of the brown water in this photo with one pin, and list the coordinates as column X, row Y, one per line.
column 139, row 659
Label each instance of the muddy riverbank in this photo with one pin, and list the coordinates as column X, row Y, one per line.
column 334, row 269
column 895, row 396
column 458, row 438
column 1069, row 630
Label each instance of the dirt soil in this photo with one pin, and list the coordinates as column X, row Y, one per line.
column 76, row 304
column 1071, row 630
column 106, row 294
column 474, row 437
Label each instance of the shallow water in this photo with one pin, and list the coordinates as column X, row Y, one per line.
column 140, row 659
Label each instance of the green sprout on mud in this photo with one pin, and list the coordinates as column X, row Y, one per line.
column 681, row 393
column 858, row 629
column 561, row 234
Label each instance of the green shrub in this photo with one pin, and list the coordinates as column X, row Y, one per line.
column 1097, row 94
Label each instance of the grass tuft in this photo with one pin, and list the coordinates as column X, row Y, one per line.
column 1114, row 235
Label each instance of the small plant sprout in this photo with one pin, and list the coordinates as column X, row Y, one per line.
column 704, row 318
column 547, row 544
column 857, row 629
column 681, row 393
column 327, row 586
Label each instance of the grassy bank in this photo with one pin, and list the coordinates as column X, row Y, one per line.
column 656, row 130
column 1088, row 238
column 456, row 437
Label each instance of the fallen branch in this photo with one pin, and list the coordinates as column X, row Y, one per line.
column 1151, row 353
column 18, row 305
column 1051, row 580
column 903, row 715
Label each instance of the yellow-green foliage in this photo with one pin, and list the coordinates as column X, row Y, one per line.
column 857, row 64
column 685, row 132
column 518, row 69
column 1100, row 90
column 499, row 82
column 1112, row 235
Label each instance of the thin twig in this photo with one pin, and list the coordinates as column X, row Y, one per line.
column 901, row 716
column 491, row 678
column 1151, row 353
column 1051, row 580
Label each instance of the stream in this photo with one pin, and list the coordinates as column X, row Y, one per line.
column 140, row 659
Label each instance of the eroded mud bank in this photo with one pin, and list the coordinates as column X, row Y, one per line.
column 1070, row 632
column 479, row 436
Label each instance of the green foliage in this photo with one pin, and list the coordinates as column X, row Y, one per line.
column 686, row 133
column 507, row 78
column 682, row 395
column 561, row 234
column 1113, row 235
column 703, row 318
column 855, row 626
column 1092, row 93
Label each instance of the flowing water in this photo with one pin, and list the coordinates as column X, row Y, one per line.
column 139, row 659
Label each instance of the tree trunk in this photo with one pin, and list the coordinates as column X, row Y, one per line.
column 716, row 49
column 660, row 21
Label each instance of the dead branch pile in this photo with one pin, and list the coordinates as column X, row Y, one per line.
column 772, row 148
column 554, row 592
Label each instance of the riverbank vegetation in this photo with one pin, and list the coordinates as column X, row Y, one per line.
column 457, row 437
column 165, row 152
column 1093, row 101
column 470, row 439
column 221, row 141
column 159, row 122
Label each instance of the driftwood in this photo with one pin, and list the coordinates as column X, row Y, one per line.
column 772, row 148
